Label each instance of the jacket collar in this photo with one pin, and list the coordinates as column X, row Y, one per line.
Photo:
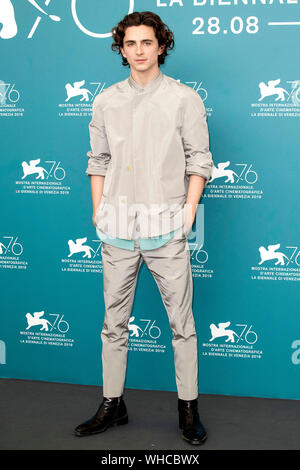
column 151, row 86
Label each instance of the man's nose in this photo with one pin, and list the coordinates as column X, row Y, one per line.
column 139, row 49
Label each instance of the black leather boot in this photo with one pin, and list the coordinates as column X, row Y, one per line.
column 111, row 411
column 192, row 429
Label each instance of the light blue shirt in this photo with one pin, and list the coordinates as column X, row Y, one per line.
column 144, row 243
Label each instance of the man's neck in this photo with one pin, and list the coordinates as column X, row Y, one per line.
column 144, row 77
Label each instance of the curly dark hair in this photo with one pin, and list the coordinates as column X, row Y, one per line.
column 162, row 33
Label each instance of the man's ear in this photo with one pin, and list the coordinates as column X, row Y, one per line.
column 162, row 48
column 122, row 52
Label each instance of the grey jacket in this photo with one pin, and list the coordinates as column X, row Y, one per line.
column 146, row 141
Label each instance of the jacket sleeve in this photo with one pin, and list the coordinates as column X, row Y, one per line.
column 99, row 155
column 195, row 137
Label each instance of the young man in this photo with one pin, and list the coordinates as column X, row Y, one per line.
column 149, row 160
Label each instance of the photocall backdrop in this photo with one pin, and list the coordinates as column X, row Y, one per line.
column 242, row 57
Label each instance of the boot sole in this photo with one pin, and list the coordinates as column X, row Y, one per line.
column 118, row 422
column 195, row 442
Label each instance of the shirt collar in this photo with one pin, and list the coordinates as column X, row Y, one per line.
column 151, row 86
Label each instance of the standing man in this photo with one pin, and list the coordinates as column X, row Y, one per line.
column 148, row 163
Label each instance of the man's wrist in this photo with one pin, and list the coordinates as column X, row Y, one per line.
column 191, row 208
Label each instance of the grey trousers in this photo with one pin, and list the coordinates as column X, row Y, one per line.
column 171, row 269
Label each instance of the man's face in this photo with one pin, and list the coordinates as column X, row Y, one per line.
column 140, row 43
